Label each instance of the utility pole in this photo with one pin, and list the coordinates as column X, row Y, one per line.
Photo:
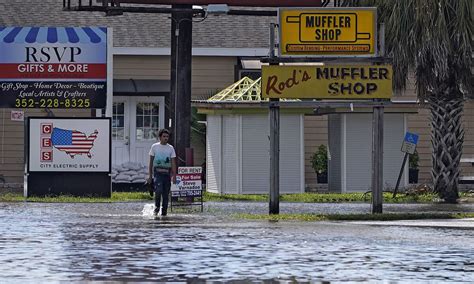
column 180, row 92
column 274, row 118
column 377, row 143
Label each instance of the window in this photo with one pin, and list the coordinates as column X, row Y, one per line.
column 118, row 121
column 250, row 67
column 147, row 121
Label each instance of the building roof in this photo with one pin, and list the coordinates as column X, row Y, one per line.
column 140, row 30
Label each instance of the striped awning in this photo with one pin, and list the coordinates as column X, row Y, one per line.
column 85, row 35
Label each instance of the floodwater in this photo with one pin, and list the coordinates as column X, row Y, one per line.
column 116, row 242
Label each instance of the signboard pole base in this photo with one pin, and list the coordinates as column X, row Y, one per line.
column 87, row 184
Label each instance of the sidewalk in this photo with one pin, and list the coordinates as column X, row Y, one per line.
column 467, row 223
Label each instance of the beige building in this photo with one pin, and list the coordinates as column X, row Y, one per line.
column 141, row 73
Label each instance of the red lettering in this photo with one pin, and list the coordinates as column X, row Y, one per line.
column 281, row 86
column 306, row 76
column 276, row 86
column 46, row 142
column 292, row 81
column 46, row 128
column 272, row 80
column 46, row 156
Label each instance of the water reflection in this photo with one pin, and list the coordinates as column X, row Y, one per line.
column 115, row 242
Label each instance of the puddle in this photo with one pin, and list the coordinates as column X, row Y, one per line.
column 123, row 242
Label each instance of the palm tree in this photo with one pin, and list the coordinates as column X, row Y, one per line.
column 435, row 39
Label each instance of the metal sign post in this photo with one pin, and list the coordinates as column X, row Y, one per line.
column 408, row 147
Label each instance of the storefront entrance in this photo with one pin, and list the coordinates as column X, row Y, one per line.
column 135, row 124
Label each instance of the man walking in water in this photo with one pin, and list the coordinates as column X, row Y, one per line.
column 162, row 170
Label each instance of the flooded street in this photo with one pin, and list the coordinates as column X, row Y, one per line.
column 62, row 242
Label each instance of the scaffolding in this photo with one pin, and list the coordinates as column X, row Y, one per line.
column 245, row 89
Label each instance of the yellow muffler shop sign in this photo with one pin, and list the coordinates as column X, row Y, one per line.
column 328, row 32
column 348, row 82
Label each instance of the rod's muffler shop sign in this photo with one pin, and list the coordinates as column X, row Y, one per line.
column 352, row 82
column 53, row 67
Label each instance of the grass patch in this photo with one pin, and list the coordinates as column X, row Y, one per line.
column 116, row 197
column 354, row 217
column 208, row 196
column 11, row 197
column 322, row 197
column 297, row 197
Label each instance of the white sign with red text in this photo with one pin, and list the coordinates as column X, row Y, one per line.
column 188, row 182
column 69, row 145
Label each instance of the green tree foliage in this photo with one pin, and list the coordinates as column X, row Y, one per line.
column 434, row 39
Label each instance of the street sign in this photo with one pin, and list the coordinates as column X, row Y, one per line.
column 409, row 143
column 338, row 82
column 328, row 31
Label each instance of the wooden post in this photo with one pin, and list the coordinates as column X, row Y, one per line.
column 377, row 143
column 274, row 118
column 274, row 156
column 180, row 96
column 189, row 157
column 377, row 159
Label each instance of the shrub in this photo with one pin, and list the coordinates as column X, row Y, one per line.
column 319, row 160
column 413, row 161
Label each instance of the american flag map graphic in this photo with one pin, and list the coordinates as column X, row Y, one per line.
column 73, row 142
